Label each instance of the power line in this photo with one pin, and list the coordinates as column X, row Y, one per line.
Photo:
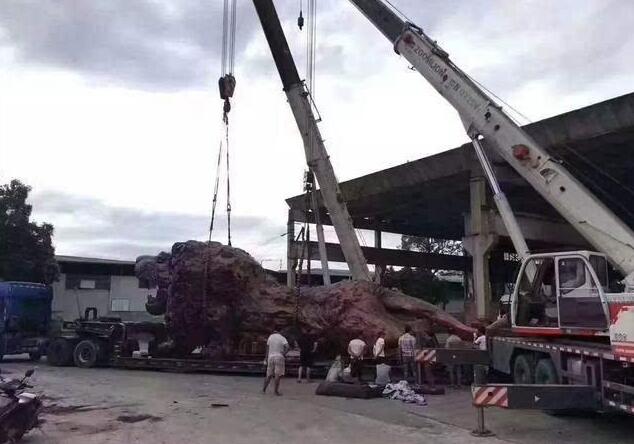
column 398, row 11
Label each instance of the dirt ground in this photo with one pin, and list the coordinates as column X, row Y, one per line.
column 121, row 406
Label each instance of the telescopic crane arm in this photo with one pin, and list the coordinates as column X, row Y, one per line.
column 482, row 117
column 316, row 154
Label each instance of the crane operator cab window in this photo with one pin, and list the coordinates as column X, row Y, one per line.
column 537, row 295
column 580, row 304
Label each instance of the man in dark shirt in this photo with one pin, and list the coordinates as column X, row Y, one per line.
column 307, row 348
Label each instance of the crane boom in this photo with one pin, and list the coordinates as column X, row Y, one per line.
column 482, row 116
column 316, row 155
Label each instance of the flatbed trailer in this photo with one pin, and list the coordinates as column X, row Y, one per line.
column 109, row 342
column 253, row 366
column 189, row 365
column 538, row 360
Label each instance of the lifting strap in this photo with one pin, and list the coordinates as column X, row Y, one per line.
column 228, row 186
column 215, row 198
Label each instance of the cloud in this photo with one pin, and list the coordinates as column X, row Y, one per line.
column 89, row 227
column 116, row 99
column 175, row 44
column 569, row 51
column 163, row 45
column 167, row 44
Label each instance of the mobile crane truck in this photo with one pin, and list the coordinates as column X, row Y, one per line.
column 570, row 341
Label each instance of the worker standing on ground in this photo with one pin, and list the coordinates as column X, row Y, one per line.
column 307, row 348
column 379, row 347
column 480, row 342
column 480, row 339
column 407, row 351
column 356, row 350
column 276, row 349
column 455, row 370
column 382, row 369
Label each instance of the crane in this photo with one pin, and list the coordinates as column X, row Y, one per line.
column 482, row 116
column 556, row 293
column 316, row 155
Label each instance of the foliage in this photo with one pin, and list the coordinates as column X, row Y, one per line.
column 431, row 245
column 26, row 248
column 418, row 282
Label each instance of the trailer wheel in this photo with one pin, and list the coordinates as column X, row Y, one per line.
column 59, row 352
column 545, row 372
column 523, row 370
column 87, row 353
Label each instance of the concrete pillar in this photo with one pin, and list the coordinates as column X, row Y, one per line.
column 379, row 269
column 478, row 241
column 291, row 261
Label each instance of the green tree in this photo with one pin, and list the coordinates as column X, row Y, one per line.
column 419, row 282
column 431, row 245
column 26, row 248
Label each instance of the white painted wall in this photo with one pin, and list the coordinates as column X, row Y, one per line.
column 70, row 304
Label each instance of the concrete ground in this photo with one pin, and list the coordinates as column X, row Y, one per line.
column 122, row 406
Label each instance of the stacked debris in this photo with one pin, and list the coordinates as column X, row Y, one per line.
column 220, row 298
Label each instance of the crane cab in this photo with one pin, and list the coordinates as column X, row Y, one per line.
column 566, row 294
column 562, row 294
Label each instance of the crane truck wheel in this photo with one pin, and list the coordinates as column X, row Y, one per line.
column 523, row 370
column 59, row 352
column 545, row 372
column 87, row 353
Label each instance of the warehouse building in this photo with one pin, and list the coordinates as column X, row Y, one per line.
column 107, row 284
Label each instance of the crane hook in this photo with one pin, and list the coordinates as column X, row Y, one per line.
column 300, row 20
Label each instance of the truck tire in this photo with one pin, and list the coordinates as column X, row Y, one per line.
column 523, row 370
column 60, row 352
column 35, row 356
column 545, row 372
column 87, row 353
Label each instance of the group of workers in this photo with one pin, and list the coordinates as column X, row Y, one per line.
column 407, row 346
column 277, row 346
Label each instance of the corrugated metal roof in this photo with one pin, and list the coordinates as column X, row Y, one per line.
column 91, row 260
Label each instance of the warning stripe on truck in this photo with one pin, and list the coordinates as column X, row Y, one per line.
column 427, row 355
column 490, row 396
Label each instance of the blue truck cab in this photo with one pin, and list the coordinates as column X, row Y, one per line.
column 25, row 317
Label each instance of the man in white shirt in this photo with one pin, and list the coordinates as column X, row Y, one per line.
column 276, row 349
column 455, row 370
column 480, row 342
column 480, row 339
column 356, row 349
column 379, row 346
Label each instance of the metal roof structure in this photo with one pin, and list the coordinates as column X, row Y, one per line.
column 430, row 196
column 91, row 260
column 95, row 266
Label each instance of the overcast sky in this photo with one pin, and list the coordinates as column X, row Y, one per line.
column 109, row 108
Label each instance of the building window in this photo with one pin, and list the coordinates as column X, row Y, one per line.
column 87, row 282
column 120, row 305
